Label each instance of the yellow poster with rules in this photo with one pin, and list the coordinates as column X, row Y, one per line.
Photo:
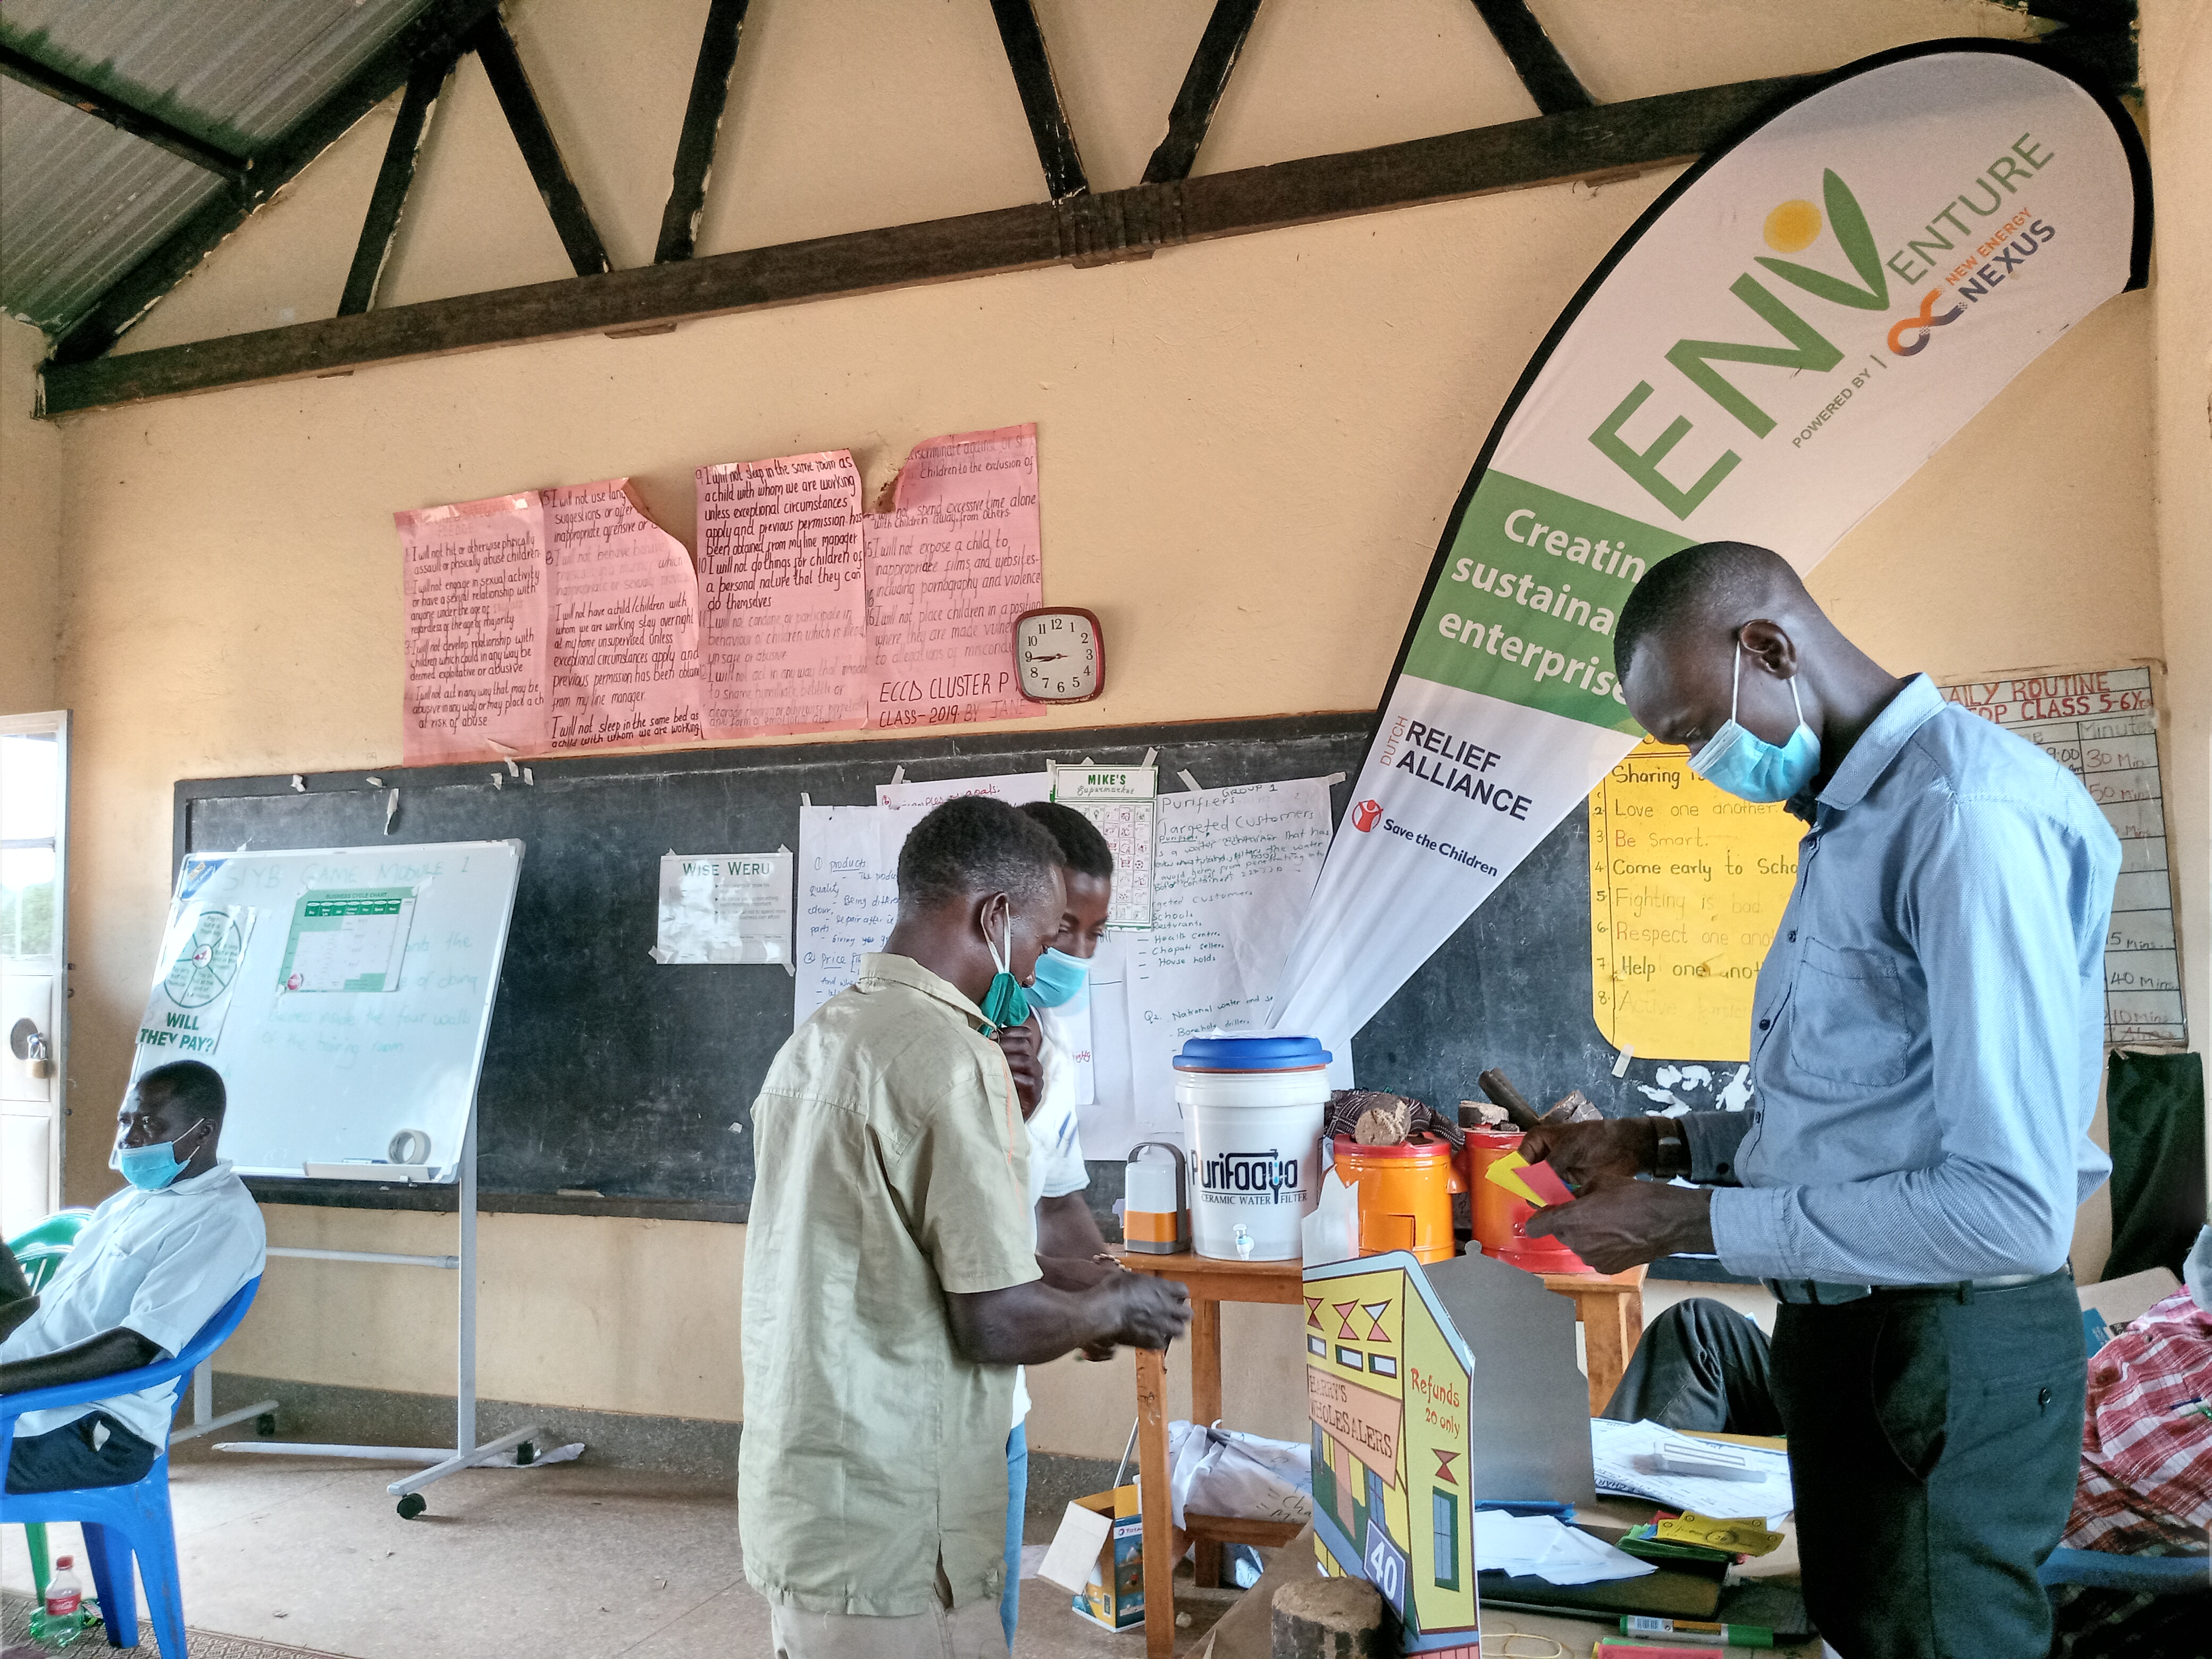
column 1688, row 885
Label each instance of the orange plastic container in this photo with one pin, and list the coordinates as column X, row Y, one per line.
column 1404, row 1196
column 1499, row 1216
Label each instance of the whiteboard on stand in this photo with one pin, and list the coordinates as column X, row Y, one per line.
column 345, row 994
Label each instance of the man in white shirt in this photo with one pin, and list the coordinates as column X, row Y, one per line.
column 156, row 1262
column 1043, row 1054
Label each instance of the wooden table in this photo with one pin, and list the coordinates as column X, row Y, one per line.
column 1611, row 1309
column 1609, row 1306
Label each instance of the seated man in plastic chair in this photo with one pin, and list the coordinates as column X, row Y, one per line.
column 154, row 1263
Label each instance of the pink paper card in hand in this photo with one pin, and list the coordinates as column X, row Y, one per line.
column 1536, row 1184
column 1545, row 1182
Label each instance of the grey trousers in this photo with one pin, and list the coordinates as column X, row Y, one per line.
column 1701, row 1365
column 1935, row 1438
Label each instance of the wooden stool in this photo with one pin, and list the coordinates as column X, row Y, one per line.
column 1611, row 1309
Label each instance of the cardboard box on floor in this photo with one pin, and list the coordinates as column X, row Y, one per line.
column 1099, row 1554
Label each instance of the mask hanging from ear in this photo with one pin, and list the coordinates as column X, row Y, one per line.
column 1006, row 1005
column 1750, row 767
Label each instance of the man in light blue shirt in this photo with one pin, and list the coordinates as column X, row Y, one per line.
column 156, row 1262
column 1927, row 1033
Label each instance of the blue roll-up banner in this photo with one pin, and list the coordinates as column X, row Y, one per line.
column 1784, row 336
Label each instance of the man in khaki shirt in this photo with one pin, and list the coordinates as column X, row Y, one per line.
column 891, row 1286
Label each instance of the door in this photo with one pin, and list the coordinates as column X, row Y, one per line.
column 34, row 970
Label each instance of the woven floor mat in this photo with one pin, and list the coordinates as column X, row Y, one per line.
column 15, row 1631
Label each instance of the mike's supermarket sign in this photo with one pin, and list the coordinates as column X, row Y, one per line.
column 1781, row 341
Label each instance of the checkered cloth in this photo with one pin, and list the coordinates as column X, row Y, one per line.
column 2145, row 1485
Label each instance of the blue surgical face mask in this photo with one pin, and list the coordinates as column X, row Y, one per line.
column 1750, row 767
column 1006, row 1005
column 1061, row 978
column 150, row 1169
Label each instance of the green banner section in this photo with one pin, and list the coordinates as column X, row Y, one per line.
column 1531, row 588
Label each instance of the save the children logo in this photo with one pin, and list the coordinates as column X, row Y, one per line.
column 1364, row 816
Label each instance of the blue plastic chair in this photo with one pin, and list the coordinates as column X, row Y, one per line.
column 138, row 1514
column 39, row 1252
column 2146, row 1575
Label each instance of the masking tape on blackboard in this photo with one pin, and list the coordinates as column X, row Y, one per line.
column 409, row 1147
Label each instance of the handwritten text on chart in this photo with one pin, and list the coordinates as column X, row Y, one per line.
column 474, row 575
column 782, row 592
column 625, row 650
column 1688, row 885
column 949, row 569
column 2100, row 727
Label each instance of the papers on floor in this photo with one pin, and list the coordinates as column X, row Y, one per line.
column 1542, row 1547
column 1626, row 1459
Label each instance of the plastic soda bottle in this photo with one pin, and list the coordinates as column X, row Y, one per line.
column 61, row 1620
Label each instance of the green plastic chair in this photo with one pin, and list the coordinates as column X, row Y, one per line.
column 39, row 1251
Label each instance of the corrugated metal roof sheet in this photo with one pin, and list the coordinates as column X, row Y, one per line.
column 81, row 202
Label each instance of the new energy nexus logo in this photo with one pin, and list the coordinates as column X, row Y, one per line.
column 1982, row 257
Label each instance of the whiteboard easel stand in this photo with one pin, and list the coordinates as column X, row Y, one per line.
column 466, row 1453
column 204, row 1420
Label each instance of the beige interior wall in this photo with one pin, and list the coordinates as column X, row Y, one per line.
column 1249, row 447
column 30, row 529
column 2177, row 53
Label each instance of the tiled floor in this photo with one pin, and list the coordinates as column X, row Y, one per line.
column 567, row 1562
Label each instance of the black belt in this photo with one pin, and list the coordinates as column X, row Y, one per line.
column 1820, row 1292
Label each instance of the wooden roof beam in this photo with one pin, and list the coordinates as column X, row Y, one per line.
column 1551, row 82
column 703, row 126
column 1023, row 39
column 393, row 178
column 495, row 49
column 1611, row 140
column 1199, row 95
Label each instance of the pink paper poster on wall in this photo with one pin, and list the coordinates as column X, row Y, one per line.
column 782, row 594
column 475, row 616
column 624, row 651
column 949, row 569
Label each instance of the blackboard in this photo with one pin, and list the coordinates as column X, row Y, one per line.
column 612, row 1086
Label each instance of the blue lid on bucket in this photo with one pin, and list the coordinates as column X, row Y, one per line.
column 1251, row 1052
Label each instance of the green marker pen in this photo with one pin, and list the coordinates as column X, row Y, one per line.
column 1739, row 1636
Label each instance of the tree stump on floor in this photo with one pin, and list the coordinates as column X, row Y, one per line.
column 1328, row 1619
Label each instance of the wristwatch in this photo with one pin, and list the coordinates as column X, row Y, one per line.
column 1672, row 1158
